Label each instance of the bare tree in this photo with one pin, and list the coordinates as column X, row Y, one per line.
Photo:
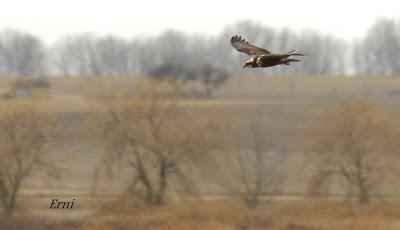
column 172, row 46
column 83, row 55
column 86, row 55
column 379, row 52
column 24, row 133
column 68, row 57
column 21, row 54
column 155, row 137
column 212, row 77
column 326, row 55
column 350, row 141
column 248, row 169
column 110, row 57
column 257, row 176
column 376, row 54
column 176, row 73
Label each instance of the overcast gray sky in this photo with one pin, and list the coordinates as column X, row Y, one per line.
column 51, row 19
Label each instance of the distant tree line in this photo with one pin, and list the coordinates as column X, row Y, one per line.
column 378, row 53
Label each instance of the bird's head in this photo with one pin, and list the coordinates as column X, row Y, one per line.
column 248, row 63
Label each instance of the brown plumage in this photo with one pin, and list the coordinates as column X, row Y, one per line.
column 261, row 57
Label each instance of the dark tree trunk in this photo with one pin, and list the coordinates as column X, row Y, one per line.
column 159, row 198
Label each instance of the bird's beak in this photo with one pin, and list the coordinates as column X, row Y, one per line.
column 244, row 65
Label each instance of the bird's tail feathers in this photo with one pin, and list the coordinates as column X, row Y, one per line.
column 298, row 53
column 287, row 61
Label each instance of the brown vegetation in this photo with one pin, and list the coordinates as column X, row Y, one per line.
column 352, row 141
column 247, row 168
column 155, row 137
column 310, row 215
column 249, row 123
column 24, row 133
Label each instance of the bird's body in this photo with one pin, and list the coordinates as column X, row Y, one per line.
column 261, row 57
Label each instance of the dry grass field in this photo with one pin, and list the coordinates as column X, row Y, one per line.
column 283, row 104
column 300, row 215
column 225, row 214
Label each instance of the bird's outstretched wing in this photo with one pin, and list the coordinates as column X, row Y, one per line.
column 243, row 46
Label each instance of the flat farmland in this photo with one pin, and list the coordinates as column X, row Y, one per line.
column 284, row 105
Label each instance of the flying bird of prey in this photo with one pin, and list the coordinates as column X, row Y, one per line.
column 261, row 57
